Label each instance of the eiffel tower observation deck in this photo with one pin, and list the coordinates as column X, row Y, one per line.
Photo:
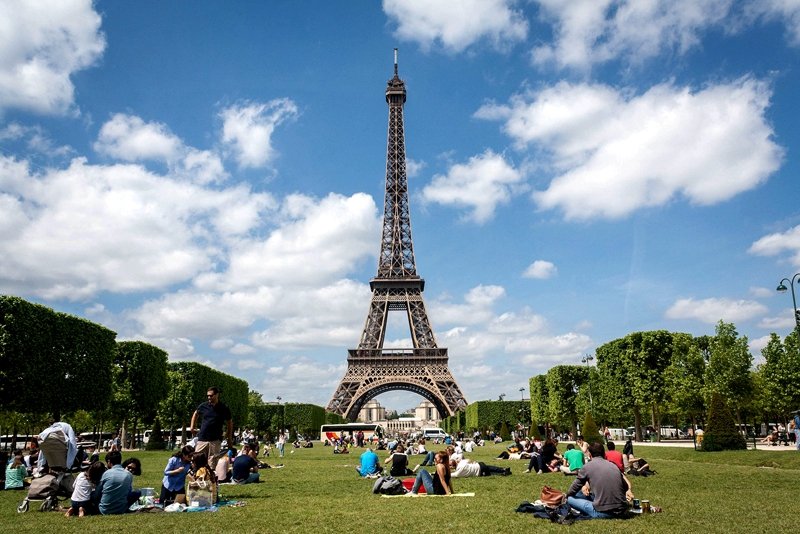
column 423, row 368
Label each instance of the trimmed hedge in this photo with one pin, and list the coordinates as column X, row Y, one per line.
column 490, row 415
column 72, row 355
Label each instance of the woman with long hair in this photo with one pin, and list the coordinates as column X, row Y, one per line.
column 439, row 483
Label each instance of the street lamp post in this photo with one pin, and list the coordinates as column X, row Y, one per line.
column 522, row 394
column 782, row 288
column 587, row 359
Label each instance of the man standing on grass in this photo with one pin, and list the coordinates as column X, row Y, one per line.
column 214, row 415
column 796, row 421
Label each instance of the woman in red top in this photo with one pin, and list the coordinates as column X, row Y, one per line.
column 614, row 456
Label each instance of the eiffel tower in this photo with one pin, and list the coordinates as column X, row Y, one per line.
column 371, row 369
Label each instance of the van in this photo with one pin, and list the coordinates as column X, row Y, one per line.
column 434, row 434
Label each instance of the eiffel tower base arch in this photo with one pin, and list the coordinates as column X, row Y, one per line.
column 373, row 372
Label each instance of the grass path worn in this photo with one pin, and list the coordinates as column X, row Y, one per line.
column 317, row 491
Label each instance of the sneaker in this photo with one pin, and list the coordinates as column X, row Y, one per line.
column 415, row 468
column 507, row 472
column 527, row 471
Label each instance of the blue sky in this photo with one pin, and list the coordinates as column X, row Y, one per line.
column 208, row 176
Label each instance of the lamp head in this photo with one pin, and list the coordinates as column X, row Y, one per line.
column 781, row 288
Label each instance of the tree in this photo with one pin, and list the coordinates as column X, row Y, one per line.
column 537, row 385
column 611, row 392
column 684, row 379
column 728, row 369
column 781, row 374
column 721, row 433
column 175, row 407
column 140, row 380
column 563, row 384
column 649, row 354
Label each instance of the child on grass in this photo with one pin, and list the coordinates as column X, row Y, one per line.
column 82, row 491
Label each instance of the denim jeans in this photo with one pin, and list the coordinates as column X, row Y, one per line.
column 428, row 458
column 585, row 506
column 251, row 479
column 536, row 462
column 423, row 479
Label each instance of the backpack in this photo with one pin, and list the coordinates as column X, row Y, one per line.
column 388, row 485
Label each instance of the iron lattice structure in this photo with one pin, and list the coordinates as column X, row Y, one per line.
column 371, row 369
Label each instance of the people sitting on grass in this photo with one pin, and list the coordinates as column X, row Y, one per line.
column 223, row 468
column 134, row 466
column 639, row 467
column 546, row 461
column 470, row 468
column 428, row 455
column 84, row 485
column 245, row 467
column 608, row 490
column 573, row 460
column 399, row 460
column 115, row 490
column 614, row 456
column 369, row 464
column 627, row 453
column 16, row 473
column 439, row 483
column 173, row 485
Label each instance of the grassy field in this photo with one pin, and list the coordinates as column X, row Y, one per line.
column 320, row 492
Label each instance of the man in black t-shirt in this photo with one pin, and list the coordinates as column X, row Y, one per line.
column 214, row 415
column 245, row 468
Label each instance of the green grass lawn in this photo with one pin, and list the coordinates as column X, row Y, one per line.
column 317, row 491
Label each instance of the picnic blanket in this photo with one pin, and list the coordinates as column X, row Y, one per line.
column 470, row 494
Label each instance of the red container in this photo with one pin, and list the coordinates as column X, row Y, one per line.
column 408, row 483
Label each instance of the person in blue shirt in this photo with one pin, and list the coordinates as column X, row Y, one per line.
column 174, row 481
column 369, row 463
column 116, row 486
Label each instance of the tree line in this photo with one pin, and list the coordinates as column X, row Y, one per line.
column 655, row 377
column 58, row 366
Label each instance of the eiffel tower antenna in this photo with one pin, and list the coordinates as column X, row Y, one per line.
column 423, row 368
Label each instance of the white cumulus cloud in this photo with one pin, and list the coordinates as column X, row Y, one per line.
column 712, row 310
column 614, row 152
column 484, row 182
column 588, row 32
column 779, row 243
column 247, row 129
column 541, row 270
column 42, row 44
column 457, row 24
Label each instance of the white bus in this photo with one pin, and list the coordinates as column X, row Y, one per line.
column 331, row 433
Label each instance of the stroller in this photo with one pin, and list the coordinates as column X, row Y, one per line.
column 55, row 482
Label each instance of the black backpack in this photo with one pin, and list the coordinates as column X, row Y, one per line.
column 388, row 485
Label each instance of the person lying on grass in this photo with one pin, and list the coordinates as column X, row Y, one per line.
column 470, row 468
column 439, row 483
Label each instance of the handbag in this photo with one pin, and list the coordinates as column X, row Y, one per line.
column 201, row 489
column 552, row 497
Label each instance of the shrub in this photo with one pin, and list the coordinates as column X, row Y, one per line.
column 721, row 433
column 590, row 431
column 156, row 442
